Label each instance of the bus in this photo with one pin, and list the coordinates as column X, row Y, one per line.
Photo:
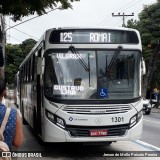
column 84, row 85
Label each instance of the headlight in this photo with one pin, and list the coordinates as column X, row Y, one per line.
column 55, row 119
column 60, row 122
column 135, row 119
column 50, row 116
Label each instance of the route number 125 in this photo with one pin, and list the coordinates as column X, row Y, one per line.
column 66, row 37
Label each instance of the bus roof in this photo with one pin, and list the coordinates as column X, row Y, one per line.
column 94, row 27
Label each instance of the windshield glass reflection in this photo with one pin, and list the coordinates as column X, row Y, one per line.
column 66, row 77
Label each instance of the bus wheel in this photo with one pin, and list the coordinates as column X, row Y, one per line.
column 23, row 120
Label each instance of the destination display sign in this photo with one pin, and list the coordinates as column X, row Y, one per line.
column 93, row 36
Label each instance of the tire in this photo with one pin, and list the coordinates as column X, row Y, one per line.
column 148, row 112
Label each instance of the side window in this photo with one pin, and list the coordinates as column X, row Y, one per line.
column 26, row 65
column 33, row 67
column 24, row 73
column 29, row 70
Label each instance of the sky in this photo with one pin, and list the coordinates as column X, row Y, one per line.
column 84, row 13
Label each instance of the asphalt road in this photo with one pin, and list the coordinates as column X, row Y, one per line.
column 151, row 129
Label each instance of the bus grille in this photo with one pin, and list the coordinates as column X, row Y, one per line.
column 83, row 131
column 96, row 110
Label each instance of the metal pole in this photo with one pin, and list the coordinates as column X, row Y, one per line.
column 3, row 26
column 123, row 25
column 123, row 17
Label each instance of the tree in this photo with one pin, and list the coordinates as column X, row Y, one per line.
column 13, row 59
column 26, row 46
column 150, row 33
column 132, row 24
column 15, row 54
column 149, row 27
column 21, row 8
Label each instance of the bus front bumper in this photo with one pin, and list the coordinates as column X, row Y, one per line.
column 54, row 133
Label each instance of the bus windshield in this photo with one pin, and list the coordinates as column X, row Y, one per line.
column 109, row 77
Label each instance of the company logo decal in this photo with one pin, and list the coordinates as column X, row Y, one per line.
column 98, row 120
column 70, row 118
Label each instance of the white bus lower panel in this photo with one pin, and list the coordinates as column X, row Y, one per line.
column 114, row 134
column 53, row 133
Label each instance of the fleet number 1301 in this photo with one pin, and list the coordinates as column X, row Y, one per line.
column 117, row 119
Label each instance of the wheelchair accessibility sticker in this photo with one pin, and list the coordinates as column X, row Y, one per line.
column 103, row 93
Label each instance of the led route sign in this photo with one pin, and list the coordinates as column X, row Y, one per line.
column 93, row 36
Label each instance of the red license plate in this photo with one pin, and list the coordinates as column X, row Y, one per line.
column 98, row 133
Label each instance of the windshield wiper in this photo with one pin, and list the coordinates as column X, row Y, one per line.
column 80, row 59
column 113, row 60
column 110, row 66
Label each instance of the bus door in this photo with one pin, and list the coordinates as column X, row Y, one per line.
column 37, row 113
